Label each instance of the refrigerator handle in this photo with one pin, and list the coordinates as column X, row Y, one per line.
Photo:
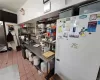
column 57, row 58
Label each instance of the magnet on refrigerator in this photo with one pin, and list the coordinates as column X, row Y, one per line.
column 92, row 26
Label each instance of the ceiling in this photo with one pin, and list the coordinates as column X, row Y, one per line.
column 12, row 5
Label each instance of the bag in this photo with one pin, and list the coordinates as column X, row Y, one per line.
column 10, row 37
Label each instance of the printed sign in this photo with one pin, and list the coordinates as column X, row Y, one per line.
column 93, row 17
column 83, row 16
column 92, row 26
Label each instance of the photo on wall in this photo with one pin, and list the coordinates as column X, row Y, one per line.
column 44, row 1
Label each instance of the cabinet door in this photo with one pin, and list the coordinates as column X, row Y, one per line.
column 1, row 17
column 9, row 17
column 66, row 13
column 93, row 7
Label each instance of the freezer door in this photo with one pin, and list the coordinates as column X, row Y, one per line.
column 79, row 58
column 60, row 62
column 60, row 44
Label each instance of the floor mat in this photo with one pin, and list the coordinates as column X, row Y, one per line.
column 10, row 73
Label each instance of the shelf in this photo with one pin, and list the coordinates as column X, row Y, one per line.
column 49, row 42
column 27, row 27
column 38, row 52
column 48, row 20
column 24, row 33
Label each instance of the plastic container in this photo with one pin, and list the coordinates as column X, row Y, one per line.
column 27, row 55
column 44, row 67
column 30, row 59
column 30, row 54
column 36, row 60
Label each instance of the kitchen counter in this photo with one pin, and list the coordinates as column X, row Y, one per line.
column 38, row 52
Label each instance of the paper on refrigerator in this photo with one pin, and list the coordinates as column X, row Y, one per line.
column 66, row 29
column 74, row 30
column 60, row 28
column 67, row 24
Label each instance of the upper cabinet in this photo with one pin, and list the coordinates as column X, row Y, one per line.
column 35, row 8
column 90, row 8
column 8, row 17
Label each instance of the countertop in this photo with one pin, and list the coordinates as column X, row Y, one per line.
column 38, row 52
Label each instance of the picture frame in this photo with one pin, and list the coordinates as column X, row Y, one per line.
column 47, row 7
column 44, row 1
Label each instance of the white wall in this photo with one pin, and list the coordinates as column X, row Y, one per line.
column 34, row 8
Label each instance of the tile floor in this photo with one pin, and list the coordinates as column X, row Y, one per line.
column 26, row 70
column 11, row 73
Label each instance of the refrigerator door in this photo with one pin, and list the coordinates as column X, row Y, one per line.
column 3, row 45
column 77, row 58
column 60, row 44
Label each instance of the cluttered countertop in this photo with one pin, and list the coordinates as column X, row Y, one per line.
column 37, row 51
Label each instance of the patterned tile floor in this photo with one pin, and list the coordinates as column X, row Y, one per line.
column 26, row 70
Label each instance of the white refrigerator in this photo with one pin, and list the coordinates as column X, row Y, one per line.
column 78, row 47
